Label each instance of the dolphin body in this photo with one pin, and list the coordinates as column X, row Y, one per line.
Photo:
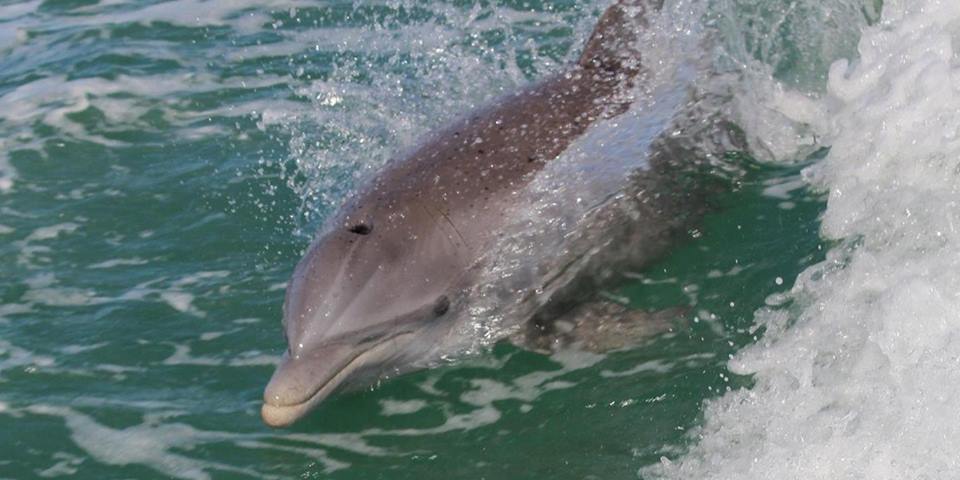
column 389, row 283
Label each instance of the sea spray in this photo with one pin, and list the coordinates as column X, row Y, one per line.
column 858, row 377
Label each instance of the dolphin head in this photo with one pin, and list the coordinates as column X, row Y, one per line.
column 372, row 297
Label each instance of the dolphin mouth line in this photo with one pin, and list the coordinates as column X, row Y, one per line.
column 283, row 415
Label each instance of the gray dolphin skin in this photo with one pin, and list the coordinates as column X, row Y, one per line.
column 389, row 279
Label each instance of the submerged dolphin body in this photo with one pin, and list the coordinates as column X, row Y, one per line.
column 387, row 286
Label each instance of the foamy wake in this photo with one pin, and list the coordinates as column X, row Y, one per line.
column 859, row 377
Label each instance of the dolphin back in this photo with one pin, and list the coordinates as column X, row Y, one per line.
column 465, row 241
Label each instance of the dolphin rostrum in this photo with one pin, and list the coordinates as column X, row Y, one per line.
column 388, row 283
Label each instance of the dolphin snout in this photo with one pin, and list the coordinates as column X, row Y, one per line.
column 289, row 384
column 302, row 381
column 299, row 383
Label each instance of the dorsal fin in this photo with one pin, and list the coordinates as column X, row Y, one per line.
column 612, row 46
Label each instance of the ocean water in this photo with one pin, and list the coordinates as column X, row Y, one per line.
column 163, row 165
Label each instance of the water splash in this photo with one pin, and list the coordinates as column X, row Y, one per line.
column 857, row 377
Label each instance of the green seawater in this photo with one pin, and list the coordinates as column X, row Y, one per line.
column 163, row 166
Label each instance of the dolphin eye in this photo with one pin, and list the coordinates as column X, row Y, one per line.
column 442, row 305
column 361, row 228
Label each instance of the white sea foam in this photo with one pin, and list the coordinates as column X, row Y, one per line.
column 181, row 302
column 199, row 277
column 17, row 10
column 117, row 262
column 485, row 392
column 247, row 16
column 177, row 296
column 859, row 378
column 246, row 321
column 330, row 465
column 181, row 356
column 525, row 388
column 656, row 366
column 153, row 444
column 476, row 418
column 13, row 309
column 52, row 231
column 44, row 290
column 75, row 349
column 783, row 187
column 124, row 101
column 12, row 356
column 207, row 336
column 351, row 442
column 66, row 465
column 160, row 443
column 7, row 172
column 390, row 407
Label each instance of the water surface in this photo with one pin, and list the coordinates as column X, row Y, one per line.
column 163, row 165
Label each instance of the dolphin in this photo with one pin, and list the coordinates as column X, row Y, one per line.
column 388, row 283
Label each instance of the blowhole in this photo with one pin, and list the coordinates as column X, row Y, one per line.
column 361, row 228
column 442, row 305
